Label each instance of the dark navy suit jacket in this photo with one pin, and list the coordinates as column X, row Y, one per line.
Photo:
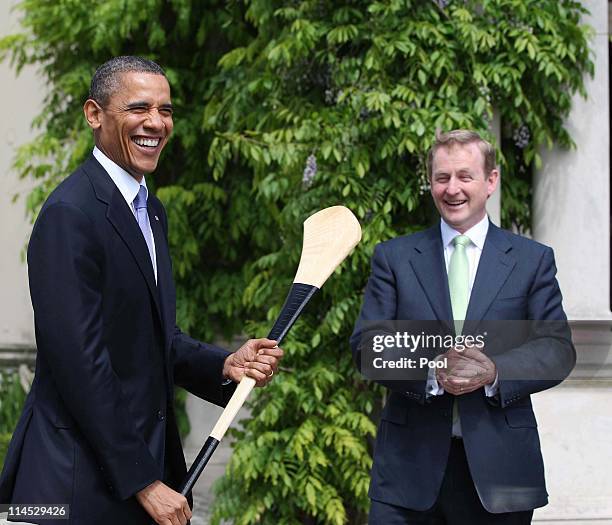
column 98, row 424
column 515, row 281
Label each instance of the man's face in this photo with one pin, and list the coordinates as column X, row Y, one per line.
column 459, row 186
column 134, row 126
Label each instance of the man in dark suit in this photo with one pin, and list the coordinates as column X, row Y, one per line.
column 98, row 429
column 458, row 445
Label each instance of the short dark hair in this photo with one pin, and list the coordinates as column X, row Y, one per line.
column 462, row 137
column 106, row 79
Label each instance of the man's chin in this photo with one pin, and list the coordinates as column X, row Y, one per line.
column 453, row 220
column 141, row 169
column 456, row 223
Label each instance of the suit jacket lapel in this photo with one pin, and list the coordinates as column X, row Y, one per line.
column 429, row 266
column 124, row 222
column 164, row 268
column 494, row 268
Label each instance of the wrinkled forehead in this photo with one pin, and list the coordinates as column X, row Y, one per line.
column 133, row 86
column 460, row 155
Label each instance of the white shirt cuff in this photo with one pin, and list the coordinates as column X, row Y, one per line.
column 491, row 390
column 433, row 388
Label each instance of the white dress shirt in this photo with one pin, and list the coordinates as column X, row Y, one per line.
column 477, row 235
column 128, row 187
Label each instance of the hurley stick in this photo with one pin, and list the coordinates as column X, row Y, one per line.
column 329, row 236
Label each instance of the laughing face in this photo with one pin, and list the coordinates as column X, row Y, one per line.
column 135, row 124
column 459, row 186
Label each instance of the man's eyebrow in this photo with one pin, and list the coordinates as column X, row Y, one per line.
column 138, row 104
column 143, row 104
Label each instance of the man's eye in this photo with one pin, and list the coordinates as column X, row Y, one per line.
column 138, row 110
column 166, row 112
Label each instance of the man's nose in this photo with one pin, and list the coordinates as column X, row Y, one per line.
column 154, row 119
column 453, row 186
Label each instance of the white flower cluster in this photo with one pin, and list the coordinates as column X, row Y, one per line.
column 521, row 136
column 309, row 171
column 441, row 3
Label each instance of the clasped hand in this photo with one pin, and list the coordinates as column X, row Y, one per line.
column 257, row 358
column 164, row 505
column 467, row 370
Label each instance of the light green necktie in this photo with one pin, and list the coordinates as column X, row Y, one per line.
column 459, row 280
column 459, row 287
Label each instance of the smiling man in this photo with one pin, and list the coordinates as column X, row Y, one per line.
column 98, row 430
column 131, row 115
column 459, row 445
column 462, row 177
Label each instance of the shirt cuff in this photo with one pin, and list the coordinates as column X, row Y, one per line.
column 491, row 390
column 433, row 388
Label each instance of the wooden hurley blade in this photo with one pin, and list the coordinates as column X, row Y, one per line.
column 329, row 236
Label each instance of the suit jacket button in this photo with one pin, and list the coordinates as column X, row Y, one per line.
column 160, row 415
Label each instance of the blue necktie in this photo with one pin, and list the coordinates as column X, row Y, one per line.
column 140, row 205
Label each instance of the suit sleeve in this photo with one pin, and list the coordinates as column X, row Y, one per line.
column 66, row 276
column 549, row 355
column 198, row 368
column 380, row 305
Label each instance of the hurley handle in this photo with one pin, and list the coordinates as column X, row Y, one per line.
column 298, row 297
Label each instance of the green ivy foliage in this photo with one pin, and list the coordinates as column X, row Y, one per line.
column 12, row 397
column 182, row 419
column 5, row 440
column 284, row 108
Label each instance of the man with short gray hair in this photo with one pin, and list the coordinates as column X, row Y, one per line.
column 458, row 445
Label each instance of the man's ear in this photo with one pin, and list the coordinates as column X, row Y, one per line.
column 93, row 113
column 492, row 181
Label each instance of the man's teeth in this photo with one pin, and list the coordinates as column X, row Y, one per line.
column 458, row 203
column 146, row 142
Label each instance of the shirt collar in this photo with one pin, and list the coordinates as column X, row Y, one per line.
column 127, row 185
column 477, row 233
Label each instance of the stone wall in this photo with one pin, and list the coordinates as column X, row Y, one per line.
column 21, row 98
column 572, row 214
